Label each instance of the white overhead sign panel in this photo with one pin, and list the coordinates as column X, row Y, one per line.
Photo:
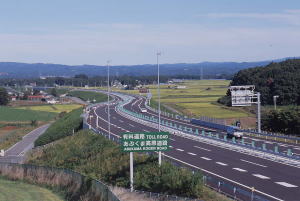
column 242, row 95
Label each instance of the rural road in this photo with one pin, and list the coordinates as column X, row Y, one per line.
column 15, row 154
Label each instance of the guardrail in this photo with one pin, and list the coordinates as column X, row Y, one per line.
column 220, row 185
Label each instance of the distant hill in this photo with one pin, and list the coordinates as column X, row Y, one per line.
column 282, row 78
column 210, row 69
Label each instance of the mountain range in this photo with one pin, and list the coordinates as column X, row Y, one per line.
column 209, row 69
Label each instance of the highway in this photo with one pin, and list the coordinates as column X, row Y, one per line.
column 271, row 180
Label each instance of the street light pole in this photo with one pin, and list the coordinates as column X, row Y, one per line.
column 108, row 94
column 274, row 100
column 158, row 94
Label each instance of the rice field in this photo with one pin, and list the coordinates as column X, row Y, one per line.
column 52, row 108
column 199, row 98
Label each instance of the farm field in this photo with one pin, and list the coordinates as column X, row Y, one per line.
column 199, row 98
column 52, row 108
column 16, row 190
column 10, row 114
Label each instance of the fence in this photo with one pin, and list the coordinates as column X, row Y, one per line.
column 76, row 186
column 220, row 185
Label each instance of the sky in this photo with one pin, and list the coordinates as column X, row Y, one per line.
column 129, row 32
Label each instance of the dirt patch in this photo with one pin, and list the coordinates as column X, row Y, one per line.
column 8, row 128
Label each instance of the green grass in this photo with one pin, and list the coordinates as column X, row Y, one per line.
column 88, row 95
column 61, row 128
column 20, row 191
column 52, row 108
column 10, row 114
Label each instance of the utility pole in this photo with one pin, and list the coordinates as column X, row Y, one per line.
column 274, row 100
column 158, row 93
column 258, row 113
column 108, row 94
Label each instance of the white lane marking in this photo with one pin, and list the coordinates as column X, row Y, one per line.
column 255, row 140
column 114, row 117
column 220, row 163
column 240, row 170
column 131, row 125
column 297, row 148
column 254, row 163
column 192, row 154
column 268, row 142
column 202, row 148
column 224, row 178
column 170, row 146
column 121, row 121
column 172, row 139
column 145, row 130
column 208, row 159
column 261, row 176
column 179, row 149
column 286, row 184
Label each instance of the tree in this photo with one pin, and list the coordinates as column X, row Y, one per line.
column 3, row 96
column 54, row 92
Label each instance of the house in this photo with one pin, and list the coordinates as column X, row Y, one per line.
column 36, row 98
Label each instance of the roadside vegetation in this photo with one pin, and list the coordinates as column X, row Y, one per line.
column 18, row 190
column 95, row 156
column 12, row 133
column 93, row 97
column 69, row 123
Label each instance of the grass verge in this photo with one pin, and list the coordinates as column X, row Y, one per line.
column 63, row 127
column 89, row 96
column 18, row 190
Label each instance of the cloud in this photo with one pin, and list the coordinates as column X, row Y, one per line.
column 291, row 17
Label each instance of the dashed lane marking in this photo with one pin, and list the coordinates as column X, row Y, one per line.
column 170, row 146
column 145, row 130
column 172, row 139
column 208, row 159
column 192, row 154
column 286, row 184
column 131, row 125
column 121, row 121
column 179, row 149
column 202, row 148
column 261, row 176
column 254, row 163
column 240, row 170
column 220, row 163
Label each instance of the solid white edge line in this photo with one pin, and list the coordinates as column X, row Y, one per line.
column 253, row 163
column 250, row 188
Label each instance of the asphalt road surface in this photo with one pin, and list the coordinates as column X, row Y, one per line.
column 272, row 180
column 15, row 154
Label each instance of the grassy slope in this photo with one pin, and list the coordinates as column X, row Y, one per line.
column 16, row 190
column 97, row 157
column 88, row 95
column 12, row 114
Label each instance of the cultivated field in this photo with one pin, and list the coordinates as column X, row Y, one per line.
column 10, row 114
column 52, row 108
column 16, row 190
column 199, row 98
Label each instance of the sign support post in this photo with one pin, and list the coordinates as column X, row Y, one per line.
column 131, row 171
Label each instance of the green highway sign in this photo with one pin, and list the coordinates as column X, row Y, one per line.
column 145, row 141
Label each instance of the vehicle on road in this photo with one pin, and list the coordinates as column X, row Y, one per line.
column 234, row 131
